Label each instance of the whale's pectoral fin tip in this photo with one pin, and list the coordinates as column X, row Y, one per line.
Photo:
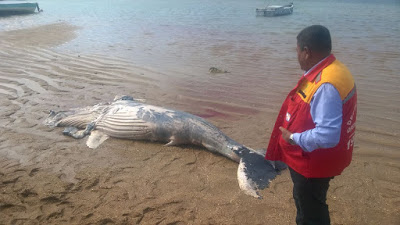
column 173, row 142
column 96, row 138
column 170, row 143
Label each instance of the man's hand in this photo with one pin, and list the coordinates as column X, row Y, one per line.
column 285, row 134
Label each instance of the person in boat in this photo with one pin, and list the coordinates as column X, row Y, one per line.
column 314, row 131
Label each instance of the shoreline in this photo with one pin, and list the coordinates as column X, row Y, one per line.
column 46, row 177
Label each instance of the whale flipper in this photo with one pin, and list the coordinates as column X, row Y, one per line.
column 96, row 138
column 174, row 141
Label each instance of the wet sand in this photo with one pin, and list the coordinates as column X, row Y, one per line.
column 47, row 178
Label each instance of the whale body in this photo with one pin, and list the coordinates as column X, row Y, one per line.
column 129, row 119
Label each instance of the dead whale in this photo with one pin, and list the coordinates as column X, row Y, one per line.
column 130, row 119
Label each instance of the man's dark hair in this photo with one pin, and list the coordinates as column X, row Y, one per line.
column 316, row 38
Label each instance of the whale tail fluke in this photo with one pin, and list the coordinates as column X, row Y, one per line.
column 255, row 172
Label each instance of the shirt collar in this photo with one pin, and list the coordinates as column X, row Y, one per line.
column 317, row 68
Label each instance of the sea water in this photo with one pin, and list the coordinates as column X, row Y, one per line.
column 182, row 39
column 204, row 33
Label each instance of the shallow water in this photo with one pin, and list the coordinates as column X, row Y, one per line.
column 202, row 33
column 182, row 39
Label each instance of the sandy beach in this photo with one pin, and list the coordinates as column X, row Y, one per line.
column 48, row 178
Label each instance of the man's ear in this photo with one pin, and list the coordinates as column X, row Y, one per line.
column 308, row 52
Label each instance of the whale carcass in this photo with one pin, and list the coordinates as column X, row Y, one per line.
column 130, row 119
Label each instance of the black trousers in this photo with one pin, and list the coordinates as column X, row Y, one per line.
column 310, row 198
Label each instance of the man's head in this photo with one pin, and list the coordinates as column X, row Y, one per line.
column 313, row 44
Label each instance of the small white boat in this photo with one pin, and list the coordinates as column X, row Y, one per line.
column 18, row 7
column 275, row 10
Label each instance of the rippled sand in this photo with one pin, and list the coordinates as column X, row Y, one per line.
column 47, row 178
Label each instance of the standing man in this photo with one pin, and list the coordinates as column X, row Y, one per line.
column 314, row 131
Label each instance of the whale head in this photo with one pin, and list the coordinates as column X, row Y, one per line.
column 54, row 117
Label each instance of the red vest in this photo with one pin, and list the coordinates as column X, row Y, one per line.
column 296, row 117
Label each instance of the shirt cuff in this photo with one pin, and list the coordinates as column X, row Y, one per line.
column 296, row 138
